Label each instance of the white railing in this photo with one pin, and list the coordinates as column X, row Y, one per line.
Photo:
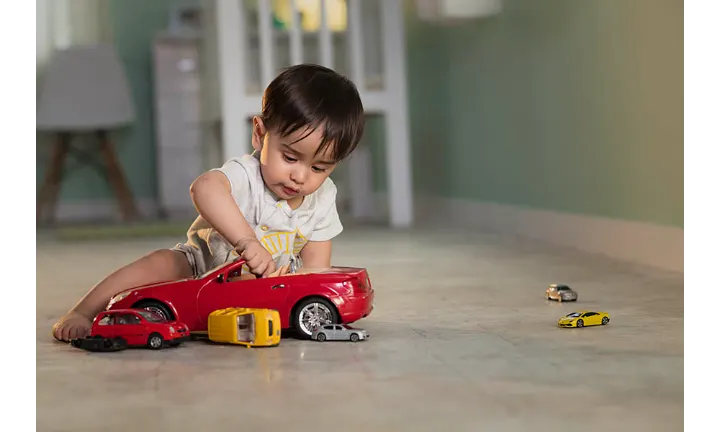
column 357, row 65
column 267, row 38
column 377, row 68
column 266, row 47
column 296, row 45
column 267, row 52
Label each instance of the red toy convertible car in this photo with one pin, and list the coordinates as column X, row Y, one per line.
column 304, row 300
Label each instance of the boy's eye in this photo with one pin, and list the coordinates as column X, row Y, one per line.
column 318, row 169
column 289, row 159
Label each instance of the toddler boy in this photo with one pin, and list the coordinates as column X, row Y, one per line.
column 266, row 207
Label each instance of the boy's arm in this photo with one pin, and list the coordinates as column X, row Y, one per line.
column 212, row 197
column 316, row 254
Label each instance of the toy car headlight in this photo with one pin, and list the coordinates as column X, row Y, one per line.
column 117, row 298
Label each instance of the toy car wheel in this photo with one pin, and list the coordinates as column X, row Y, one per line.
column 155, row 341
column 312, row 313
column 354, row 337
column 605, row 320
column 321, row 337
column 120, row 343
column 156, row 307
column 580, row 323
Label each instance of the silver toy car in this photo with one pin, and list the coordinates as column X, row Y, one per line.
column 560, row 293
column 338, row 332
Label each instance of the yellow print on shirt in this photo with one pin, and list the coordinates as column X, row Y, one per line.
column 284, row 242
column 300, row 242
column 278, row 244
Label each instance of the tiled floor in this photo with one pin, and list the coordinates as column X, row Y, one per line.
column 462, row 340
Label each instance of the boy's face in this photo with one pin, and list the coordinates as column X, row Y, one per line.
column 289, row 167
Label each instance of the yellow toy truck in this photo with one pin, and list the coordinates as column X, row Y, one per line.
column 245, row 326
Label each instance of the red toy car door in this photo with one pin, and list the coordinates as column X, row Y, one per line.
column 105, row 326
column 266, row 293
column 129, row 327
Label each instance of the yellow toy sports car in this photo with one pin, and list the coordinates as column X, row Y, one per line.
column 584, row 319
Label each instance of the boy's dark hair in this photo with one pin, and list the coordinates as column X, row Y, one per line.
column 313, row 96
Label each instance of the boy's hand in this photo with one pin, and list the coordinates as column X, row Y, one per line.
column 72, row 326
column 281, row 271
column 257, row 258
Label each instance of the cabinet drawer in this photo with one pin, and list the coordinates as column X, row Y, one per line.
column 177, row 169
column 179, row 108
column 181, row 137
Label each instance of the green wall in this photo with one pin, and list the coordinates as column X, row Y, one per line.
column 567, row 105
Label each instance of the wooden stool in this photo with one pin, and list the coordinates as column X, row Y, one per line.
column 110, row 169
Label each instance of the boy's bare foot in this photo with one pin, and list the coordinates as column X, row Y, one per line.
column 71, row 326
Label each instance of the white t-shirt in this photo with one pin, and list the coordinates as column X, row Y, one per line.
column 282, row 230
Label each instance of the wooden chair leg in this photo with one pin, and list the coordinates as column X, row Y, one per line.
column 117, row 179
column 50, row 189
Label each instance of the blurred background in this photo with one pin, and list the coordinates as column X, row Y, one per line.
column 569, row 106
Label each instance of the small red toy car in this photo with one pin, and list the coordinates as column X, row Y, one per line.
column 304, row 300
column 121, row 328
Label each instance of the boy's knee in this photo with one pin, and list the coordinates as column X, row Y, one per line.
column 159, row 256
column 168, row 259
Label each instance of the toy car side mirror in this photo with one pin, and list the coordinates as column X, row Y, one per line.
column 220, row 278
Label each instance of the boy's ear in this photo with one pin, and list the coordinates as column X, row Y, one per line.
column 258, row 134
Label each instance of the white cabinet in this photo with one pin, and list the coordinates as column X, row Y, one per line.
column 178, row 122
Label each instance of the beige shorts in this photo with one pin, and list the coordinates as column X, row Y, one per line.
column 205, row 253
column 203, row 261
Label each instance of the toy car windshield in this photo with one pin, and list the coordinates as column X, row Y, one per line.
column 572, row 315
column 151, row 316
column 246, row 328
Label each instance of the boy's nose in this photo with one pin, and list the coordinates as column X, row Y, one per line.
column 298, row 176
